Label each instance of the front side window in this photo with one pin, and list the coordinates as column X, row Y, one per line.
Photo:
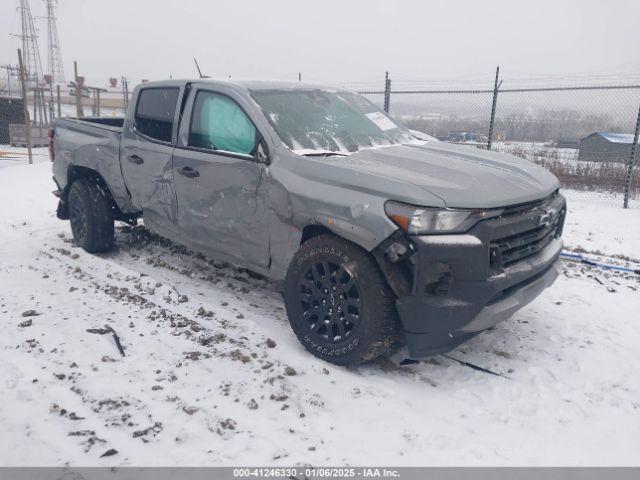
column 218, row 123
column 155, row 111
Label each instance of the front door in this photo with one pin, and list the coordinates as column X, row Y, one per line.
column 218, row 177
column 146, row 151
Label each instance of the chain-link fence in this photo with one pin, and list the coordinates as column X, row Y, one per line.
column 585, row 134
column 29, row 105
column 15, row 116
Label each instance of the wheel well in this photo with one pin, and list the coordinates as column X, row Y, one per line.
column 311, row 231
column 76, row 172
column 397, row 277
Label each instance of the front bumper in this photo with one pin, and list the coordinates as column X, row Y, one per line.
column 464, row 284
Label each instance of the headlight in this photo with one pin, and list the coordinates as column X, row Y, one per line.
column 422, row 220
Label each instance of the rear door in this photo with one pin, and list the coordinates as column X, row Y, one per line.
column 145, row 154
column 218, row 176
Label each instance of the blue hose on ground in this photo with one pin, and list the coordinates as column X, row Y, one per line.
column 580, row 259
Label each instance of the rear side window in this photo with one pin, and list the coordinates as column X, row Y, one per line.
column 219, row 123
column 155, row 111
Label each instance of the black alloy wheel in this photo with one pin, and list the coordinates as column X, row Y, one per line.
column 330, row 300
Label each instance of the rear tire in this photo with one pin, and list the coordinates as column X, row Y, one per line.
column 91, row 215
column 339, row 304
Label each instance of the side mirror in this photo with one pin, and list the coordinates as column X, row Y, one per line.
column 261, row 153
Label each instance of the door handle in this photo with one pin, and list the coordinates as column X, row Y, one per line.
column 135, row 159
column 189, row 172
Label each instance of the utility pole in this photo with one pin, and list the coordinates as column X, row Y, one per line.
column 78, row 84
column 27, row 122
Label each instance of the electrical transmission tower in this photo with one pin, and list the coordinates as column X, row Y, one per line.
column 56, row 69
column 30, row 51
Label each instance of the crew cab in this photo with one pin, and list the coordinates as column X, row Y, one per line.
column 377, row 236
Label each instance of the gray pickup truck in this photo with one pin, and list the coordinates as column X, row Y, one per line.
column 376, row 236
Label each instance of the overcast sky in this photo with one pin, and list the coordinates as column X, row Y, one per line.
column 339, row 41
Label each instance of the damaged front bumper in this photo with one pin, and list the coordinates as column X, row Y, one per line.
column 452, row 287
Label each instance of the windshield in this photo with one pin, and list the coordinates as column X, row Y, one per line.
column 309, row 121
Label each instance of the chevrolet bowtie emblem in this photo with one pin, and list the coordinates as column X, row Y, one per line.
column 546, row 218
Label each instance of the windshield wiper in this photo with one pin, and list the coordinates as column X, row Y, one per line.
column 323, row 153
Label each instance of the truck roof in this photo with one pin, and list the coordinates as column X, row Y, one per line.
column 245, row 84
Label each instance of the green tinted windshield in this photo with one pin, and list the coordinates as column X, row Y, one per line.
column 307, row 120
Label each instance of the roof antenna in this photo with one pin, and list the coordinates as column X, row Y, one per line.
column 198, row 67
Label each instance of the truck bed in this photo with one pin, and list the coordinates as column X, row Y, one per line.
column 93, row 143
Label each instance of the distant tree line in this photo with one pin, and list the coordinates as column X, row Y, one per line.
column 548, row 126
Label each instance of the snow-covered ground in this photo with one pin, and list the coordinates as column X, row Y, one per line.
column 595, row 224
column 212, row 374
column 535, row 150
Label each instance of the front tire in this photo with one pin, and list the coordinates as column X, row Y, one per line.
column 339, row 304
column 91, row 215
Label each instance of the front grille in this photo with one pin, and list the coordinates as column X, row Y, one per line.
column 525, row 244
column 526, row 231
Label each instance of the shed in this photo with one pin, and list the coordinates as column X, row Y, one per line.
column 11, row 111
column 606, row 147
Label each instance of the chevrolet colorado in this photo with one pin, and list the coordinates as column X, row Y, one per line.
column 376, row 235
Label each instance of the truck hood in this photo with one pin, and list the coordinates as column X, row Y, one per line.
column 460, row 176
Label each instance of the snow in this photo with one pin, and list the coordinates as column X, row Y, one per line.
column 462, row 240
column 214, row 376
column 18, row 155
column 594, row 224
column 614, row 137
column 539, row 151
column 314, row 151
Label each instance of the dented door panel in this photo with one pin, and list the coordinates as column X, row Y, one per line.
column 150, row 183
column 217, row 205
column 146, row 152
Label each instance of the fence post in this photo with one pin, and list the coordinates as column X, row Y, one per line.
column 35, row 106
column 8, row 67
column 125, row 95
column 496, row 86
column 632, row 162
column 27, row 121
column 58, row 99
column 52, row 110
column 387, row 91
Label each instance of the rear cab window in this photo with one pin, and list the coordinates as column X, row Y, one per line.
column 155, row 112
